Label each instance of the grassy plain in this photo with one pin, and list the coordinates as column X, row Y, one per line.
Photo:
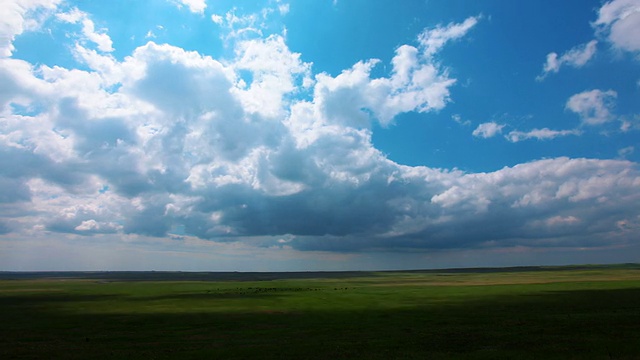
column 526, row 313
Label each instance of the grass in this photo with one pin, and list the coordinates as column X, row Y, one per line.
column 557, row 313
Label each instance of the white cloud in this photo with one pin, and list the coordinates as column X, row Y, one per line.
column 218, row 19
column 580, row 55
column 101, row 39
column 16, row 16
column 351, row 96
column 562, row 220
column 195, row 6
column 630, row 122
column 457, row 118
column 417, row 83
column 619, row 20
column 73, row 16
column 93, row 226
column 576, row 57
column 283, row 9
column 488, row 129
column 252, row 26
column 275, row 71
column 246, row 26
column 432, row 40
column 594, row 106
column 539, row 134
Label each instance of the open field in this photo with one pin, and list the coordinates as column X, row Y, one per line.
column 522, row 313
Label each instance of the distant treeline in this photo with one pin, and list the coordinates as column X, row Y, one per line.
column 267, row 276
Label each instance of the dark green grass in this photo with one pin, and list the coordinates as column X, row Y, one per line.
column 575, row 313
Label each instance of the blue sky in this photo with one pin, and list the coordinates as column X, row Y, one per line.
column 318, row 135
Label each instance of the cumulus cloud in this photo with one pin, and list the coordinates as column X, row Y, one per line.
column 488, row 129
column 594, row 107
column 539, row 134
column 619, row 21
column 275, row 71
column 576, row 57
column 226, row 152
column 417, row 82
column 16, row 16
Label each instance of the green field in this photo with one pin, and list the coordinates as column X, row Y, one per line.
column 527, row 313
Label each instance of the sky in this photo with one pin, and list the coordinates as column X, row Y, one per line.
column 277, row 135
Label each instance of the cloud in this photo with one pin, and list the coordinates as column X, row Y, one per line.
column 252, row 26
column 275, row 71
column 432, row 40
column 488, row 129
column 539, row 134
column 283, row 9
column 417, row 83
column 630, row 122
column 16, row 16
column 101, row 39
column 537, row 204
column 350, row 97
column 255, row 149
column 457, row 118
column 246, row 26
column 626, row 151
column 92, row 226
column 218, row 19
column 594, row 107
column 195, row 6
column 576, row 57
column 619, row 21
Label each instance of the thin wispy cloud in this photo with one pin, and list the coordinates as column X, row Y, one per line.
column 540, row 134
column 488, row 130
column 576, row 57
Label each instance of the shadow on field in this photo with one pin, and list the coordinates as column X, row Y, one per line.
column 45, row 300
column 204, row 296
column 585, row 324
column 238, row 293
